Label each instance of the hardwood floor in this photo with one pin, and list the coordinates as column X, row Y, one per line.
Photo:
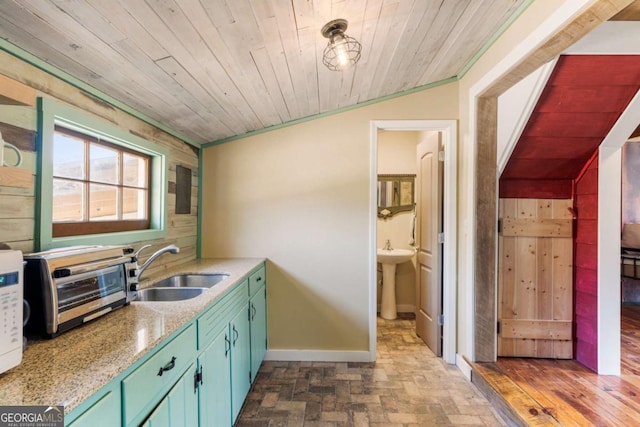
column 564, row 392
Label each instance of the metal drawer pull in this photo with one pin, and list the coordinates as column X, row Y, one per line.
column 235, row 335
column 227, row 345
column 169, row 366
column 259, row 279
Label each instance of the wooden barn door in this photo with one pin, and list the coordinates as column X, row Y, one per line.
column 535, row 281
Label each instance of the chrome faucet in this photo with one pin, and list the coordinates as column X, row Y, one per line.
column 139, row 270
column 387, row 246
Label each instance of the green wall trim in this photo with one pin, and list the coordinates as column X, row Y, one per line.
column 22, row 54
column 199, row 216
column 38, row 184
column 331, row 112
column 51, row 112
column 506, row 24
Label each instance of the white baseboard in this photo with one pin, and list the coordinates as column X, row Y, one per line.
column 462, row 364
column 403, row 308
column 318, row 356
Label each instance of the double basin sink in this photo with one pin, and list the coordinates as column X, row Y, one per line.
column 180, row 287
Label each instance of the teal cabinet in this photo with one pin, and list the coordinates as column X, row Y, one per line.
column 179, row 407
column 150, row 382
column 200, row 376
column 215, row 386
column 105, row 412
column 160, row 416
column 258, row 325
column 257, row 280
column 240, row 360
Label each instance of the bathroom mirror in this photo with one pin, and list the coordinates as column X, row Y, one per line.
column 395, row 194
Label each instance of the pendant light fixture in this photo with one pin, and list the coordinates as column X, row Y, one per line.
column 342, row 51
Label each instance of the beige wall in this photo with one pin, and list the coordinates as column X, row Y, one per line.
column 300, row 197
column 17, row 205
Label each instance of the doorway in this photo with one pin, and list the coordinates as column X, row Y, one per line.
column 563, row 28
column 448, row 131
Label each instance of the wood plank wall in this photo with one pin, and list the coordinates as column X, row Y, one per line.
column 586, row 267
column 18, row 124
column 17, row 202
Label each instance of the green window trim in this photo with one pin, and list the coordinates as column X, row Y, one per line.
column 51, row 113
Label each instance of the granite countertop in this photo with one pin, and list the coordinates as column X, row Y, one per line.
column 71, row 367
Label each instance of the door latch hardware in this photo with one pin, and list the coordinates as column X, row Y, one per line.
column 440, row 319
column 197, row 379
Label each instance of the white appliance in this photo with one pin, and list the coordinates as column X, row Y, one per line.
column 10, row 309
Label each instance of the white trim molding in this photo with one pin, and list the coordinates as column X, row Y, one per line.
column 464, row 366
column 401, row 308
column 449, row 130
column 609, row 201
column 317, row 356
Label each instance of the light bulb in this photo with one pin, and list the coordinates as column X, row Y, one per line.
column 340, row 48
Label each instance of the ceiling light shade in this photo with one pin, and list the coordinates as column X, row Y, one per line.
column 342, row 51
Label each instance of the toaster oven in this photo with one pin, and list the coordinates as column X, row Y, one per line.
column 71, row 286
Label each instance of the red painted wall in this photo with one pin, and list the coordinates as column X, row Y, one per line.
column 586, row 267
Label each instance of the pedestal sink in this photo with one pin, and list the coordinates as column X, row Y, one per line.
column 389, row 259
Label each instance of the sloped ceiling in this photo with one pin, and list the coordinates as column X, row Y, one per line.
column 214, row 69
column 584, row 97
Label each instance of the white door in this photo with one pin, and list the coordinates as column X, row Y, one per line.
column 428, row 228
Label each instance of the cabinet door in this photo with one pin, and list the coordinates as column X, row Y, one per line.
column 104, row 413
column 215, row 390
column 179, row 407
column 258, row 313
column 160, row 416
column 240, row 360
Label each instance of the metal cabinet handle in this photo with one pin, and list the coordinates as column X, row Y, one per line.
column 235, row 335
column 253, row 308
column 227, row 345
column 169, row 366
column 259, row 279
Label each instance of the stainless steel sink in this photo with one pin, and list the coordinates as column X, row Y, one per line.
column 191, row 280
column 168, row 294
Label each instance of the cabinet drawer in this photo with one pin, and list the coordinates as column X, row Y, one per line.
column 256, row 280
column 210, row 322
column 147, row 385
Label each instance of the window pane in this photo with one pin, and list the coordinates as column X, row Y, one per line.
column 134, row 204
column 68, row 156
column 135, row 171
column 68, row 200
column 103, row 202
column 103, row 163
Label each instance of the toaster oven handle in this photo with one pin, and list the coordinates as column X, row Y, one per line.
column 90, row 266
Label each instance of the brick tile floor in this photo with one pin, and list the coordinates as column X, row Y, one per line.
column 406, row 386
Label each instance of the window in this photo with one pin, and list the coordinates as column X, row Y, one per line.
column 97, row 183
column 97, row 186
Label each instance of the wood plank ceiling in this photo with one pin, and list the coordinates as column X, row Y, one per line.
column 584, row 97
column 212, row 69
